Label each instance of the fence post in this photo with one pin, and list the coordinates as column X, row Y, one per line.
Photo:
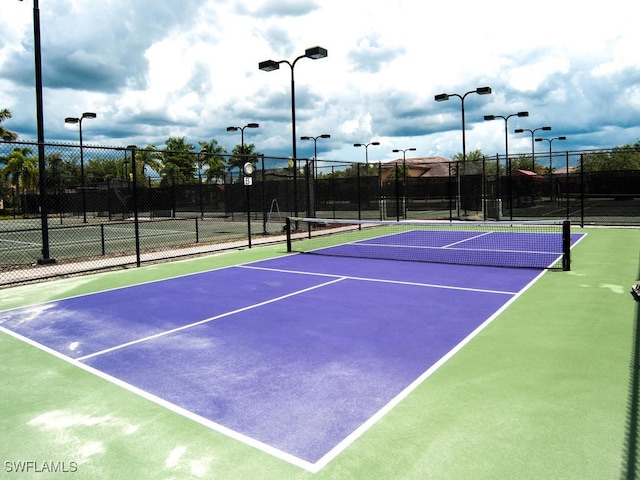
column 136, row 225
column 567, row 182
column 264, row 197
column 397, row 194
column 358, row 187
column 582, row 190
column 381, row 203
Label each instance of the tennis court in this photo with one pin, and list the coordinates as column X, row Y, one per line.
column 302, row 353
column 76, row 240
column 308, row 360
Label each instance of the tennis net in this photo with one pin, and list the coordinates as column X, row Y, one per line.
column 541, row 245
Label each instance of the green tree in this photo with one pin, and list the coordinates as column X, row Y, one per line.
column 6, row 135
column 20, row 168
column 213, row 161
column 241, row 155
column 178, row 161
column 100, row 170
column 523, row 162
column 148, row 160
column 473, row 164
column 626, row 157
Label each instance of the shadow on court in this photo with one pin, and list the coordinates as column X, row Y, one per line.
column 630, row 466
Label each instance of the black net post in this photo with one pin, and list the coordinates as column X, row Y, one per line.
column 288, row 229
column 135, row 202
column 582, row 190
column 566, row 245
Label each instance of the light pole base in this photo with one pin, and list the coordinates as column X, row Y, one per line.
column 46, row 261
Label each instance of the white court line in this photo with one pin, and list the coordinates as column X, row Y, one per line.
column 448, row 248
column 206, row 320
column 17, row 242
column 466, row 239
column 380, row 280
column 353, row 436
column 252, row 442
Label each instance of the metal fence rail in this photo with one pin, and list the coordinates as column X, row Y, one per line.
column 125, row 213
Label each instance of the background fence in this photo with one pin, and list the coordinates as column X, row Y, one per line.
column 104, row 207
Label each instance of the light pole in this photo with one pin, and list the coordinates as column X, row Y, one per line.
column 200, row 153
column 136, row 223
column 446, row 96
column 550, row 140
column 235, row 129
column 533, row 150
column 37, row 53
column 404, row 178
column 243, row 157
column 315, row 143
column 311, row 212
column 366, row 149
column 506, row 155
column 74, row 120
column 313, row 53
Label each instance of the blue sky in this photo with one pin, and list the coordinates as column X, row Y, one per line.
column 152, row 69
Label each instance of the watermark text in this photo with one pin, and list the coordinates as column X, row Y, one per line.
column 32, row 466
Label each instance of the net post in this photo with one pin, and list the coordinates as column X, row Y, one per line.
column 566, row 245
column 288, row 229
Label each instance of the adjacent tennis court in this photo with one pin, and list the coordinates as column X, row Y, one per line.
column 298, row 355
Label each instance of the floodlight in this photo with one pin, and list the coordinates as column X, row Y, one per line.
column 269, row 65
column 315, row 53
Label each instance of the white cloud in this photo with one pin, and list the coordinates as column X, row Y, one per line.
column 190, row 68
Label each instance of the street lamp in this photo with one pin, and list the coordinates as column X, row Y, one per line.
column 366, row 149
column 506, row 154
column 446, row 96
column 200, row 153
column 550, row 140
column 315, row 143
column 533, row 150
column 404, row 179
column 243, row 168
column 313, row 53
column 76, row 120
column 311, row 212
column 235, row 129
column 37, row 53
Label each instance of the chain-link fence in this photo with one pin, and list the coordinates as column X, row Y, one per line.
column 106, row 207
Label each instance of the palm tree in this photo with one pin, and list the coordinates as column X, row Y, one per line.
column 6, row 135
column 242, row 154
column 20, row 167
column 148, row 157
column 178, row 159
column 213, row 160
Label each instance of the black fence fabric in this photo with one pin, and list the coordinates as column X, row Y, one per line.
column 118, row 206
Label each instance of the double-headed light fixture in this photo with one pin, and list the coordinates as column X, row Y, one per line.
column 533, row 150
column 314, row 53
column 78, row 121
column 444, row 97
column 366, row 149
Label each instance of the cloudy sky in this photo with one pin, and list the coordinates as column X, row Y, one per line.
column 152, row 69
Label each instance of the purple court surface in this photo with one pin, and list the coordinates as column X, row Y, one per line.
column 295, row 355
